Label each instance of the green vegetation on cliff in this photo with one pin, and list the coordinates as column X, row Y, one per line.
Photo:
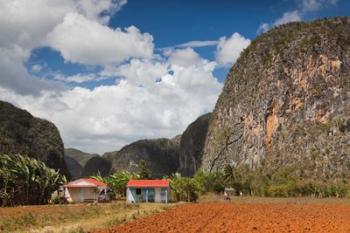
column 21, row 133
column 160, row 156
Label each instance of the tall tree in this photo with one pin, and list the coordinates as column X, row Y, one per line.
column 143, row 171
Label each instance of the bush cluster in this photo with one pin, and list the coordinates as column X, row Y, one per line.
column 25, row 181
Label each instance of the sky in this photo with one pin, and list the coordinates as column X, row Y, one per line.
column 110, row 72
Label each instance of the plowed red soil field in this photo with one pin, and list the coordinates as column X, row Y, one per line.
column 238, row 217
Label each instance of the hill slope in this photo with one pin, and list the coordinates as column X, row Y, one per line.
column 74, row 168
column 286, row 102
column 76, row 161
column 97, row 165
column 160, row 155
column 22, row 133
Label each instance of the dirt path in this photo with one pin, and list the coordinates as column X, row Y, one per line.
column 238, row 217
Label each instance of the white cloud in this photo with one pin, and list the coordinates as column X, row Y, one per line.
column 88, row 42
column 36, row 68
column 24, row 26
column 184, row 57
column 310, row 5
column 198, row 43
column 315, row 5
column 108, row 117
column 92, row 9
column 78, row 78
column 304, row 7
column 142, row 73
column 155, row 96
column 25, row 23
column 287, row 17
column 229, row 49
column 264, row 27
column 16, row 77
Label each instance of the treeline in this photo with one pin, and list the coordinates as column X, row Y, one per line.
column 282, row 182
column 26, row 181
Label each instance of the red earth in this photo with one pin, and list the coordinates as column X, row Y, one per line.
column 238, row 217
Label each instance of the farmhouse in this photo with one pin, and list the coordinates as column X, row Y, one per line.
column 85, row 190
column 147, row 191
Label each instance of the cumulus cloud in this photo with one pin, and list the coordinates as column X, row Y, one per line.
column 142, row 72
column 184, row 57
column 107, row 117
column 24, row 25
column 92, row 9
column 229, row 49
column 155, row 95
column 88, row 42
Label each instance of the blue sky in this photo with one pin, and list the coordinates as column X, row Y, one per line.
column 113, row 71
column 176, row 22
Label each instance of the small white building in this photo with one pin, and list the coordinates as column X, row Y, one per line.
column 85, row 190
column 148, row 191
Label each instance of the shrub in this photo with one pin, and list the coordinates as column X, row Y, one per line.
column 209, row 182
column 184, row 188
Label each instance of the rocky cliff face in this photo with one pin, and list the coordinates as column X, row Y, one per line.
column 160, row 155
column 287, row 101
column 24, row 134
column 192, row 144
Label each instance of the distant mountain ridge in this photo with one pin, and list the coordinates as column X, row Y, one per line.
column 163, row 156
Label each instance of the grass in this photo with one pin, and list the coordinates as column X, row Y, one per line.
column 73, row 218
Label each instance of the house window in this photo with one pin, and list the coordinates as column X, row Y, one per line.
column 138, row 191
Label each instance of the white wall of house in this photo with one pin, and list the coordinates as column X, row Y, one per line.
column 129, row 196
column 74, row 195
column 157, row 197
column 78, row 195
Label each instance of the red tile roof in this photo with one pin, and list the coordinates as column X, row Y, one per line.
column 148, row 183
column 85, row 182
